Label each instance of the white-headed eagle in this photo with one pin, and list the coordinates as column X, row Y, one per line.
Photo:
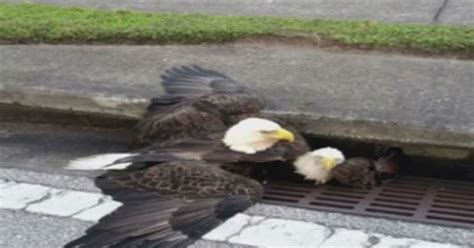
column 178, row 184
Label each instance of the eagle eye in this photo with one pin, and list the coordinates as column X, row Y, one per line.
column 267, row 132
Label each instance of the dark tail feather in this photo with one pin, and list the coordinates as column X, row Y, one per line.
column 153, row 222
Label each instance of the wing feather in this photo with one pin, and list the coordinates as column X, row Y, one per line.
column 194, row 81
column 197, row 102
column 165, row 214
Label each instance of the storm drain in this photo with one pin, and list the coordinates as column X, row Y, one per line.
column 413, row 199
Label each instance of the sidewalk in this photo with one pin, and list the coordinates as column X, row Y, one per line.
column 427, row 93
column 44, row 204
column 454, row 12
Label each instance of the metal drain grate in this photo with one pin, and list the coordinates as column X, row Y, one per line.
column 409, row 198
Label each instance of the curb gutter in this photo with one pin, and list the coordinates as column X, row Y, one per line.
column 59, row 107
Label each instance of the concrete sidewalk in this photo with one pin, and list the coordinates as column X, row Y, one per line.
column 458, row 12
column 46, row 205
column 427, row 93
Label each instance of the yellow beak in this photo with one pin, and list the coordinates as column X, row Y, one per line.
column 283, row 134
column 329, row 163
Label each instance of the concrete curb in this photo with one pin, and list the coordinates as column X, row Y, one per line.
column 63, row 101
column 116, row 110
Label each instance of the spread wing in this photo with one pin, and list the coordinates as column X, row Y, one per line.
column 193, row 81
column 168, row 205
column 197, row 102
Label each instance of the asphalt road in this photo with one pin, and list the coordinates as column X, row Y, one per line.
column 37, row 157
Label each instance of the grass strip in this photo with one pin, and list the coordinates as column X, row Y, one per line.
column 36, row 23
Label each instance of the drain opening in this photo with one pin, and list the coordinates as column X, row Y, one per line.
column 433, row 194
column 426, row 206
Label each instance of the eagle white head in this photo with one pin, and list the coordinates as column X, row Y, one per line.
column 252, row 135
column 317, row 165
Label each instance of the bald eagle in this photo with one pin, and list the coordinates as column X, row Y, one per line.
column 174, row 194
column 362, row 172
column 200, row 103
column 173, row 188
column 251, row 140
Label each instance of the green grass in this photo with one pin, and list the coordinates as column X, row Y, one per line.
column 32, row 23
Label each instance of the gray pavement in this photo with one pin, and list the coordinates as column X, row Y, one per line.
column 20, row 229
column 25, row 229
column 457, row 12
column 421, row 11
column 394, row 228
column 36, row 154
column 421, row 92
column 48, row 148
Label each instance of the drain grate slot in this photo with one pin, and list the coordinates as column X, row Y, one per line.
column 457, row 193
column 447, row 201
column 329, row 193
column 406, row 187
column 396, row 201
column 323, row 204
column 453, row 212
column 378, row 210
column 455, row 197
column 400, row 196
column 413, row 199
column 451, row 207
column 390, row 190
column 276, row 198
column 336, row 200
column 271, row 192
column 392, row 206
column 452, row 221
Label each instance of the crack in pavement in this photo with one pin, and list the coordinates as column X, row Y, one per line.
column 439, row 11
column 248, row 222
column 100, row 201
column 329, row 235
column 49, row 194
column 246, row 225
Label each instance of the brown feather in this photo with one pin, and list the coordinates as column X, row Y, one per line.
column 168, row 205
column 388, row 162
column 356, row 172
column 198, row 102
